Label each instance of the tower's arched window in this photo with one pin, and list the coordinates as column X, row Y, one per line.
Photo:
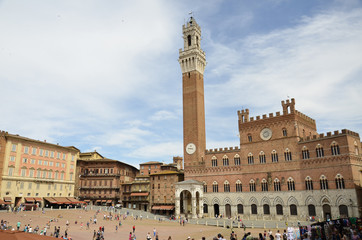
column 237, row 159
column 264, row 185
column 356, row 148
column 308, row 183
column 287, row 155
column 197, row 41
column 285, row 133
column 250, row 158
column 262, row 157
column 305, row 153
column 189, row 40
column 225, row 160
column 238, row 186
column 339, row 181
column 274, row 156
column 215, row 187
column 226, row 186
column 252, row 185
column 250, row 138
column 205, row 187
column 277, row 187
column 214, row 161
column 335, row 148
column 291, row 184
column 319, row 151
column 323, row 182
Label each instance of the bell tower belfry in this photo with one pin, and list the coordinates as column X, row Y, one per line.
column 192, row 60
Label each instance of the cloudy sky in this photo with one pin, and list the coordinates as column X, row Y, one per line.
column 103, row 75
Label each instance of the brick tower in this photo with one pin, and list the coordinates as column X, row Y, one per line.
column 192, row 60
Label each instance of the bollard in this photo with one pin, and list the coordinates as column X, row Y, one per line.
column 206, row 223
column 68, row 207
column 32, row 208
column 224, row 225
column 51, row 207
column 238, row 224
column 197, row 222
column 60, row 207
column 277, row 226
column 252, row 225
column 75, row 207
column 217, row 223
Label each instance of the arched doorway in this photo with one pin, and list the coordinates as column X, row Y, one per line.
column 228, row 210
column 279, row 209
column 185, row 202
column 216, row 210
column 327, row 212
column 311, row 210
column 254, row 209
column 343, row 211
column 206, row 208
column 240, row 209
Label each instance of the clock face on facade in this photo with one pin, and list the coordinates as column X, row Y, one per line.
column 266, row 134
column 190, row 148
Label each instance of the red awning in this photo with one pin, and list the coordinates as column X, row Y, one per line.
column 103, row 201
column 29, row 199
column 87, row 200
column 38, row 199
column 2, row 202
column 7, row 199
column 163, row 207
column 139, row 194
column 51, row 200
column 109, row 201
column 99, row 201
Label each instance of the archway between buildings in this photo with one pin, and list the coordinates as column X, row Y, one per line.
column 189, row 199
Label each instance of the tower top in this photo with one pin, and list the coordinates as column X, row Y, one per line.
column 192, row 57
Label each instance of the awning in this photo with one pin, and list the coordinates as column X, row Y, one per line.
column 139, row 194
column 38, row 199
column 103, row 201
column 2, row 202
column 87, row 200
column 99, row 201
column 7, row 199
column 73, row 200
column 51, row 200
column 163, row 207
column 62, row 200
column 29, row 199
column 109, row 201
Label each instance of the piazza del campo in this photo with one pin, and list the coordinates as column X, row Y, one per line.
column 283, row 171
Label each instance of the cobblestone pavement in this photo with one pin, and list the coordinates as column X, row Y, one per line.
column 166, row 227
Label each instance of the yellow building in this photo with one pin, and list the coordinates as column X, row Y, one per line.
column 31, row 170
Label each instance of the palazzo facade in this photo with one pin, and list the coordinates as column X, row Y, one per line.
column 282, row 169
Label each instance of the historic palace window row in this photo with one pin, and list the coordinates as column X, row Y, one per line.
column 39, row 173
column 265, row 209
column 274, row 156
column 276, row 185
column 41, row 152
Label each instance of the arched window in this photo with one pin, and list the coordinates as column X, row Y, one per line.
column 262, row 157
column 189, row 40
column 205, row 187
column 264, row 185
column 339, row 181
column 277, row 187
column 343, row 211
column 305, row 153
column 323, row 182
column 238, row 186
column 293, row 210
column 274, row 156
column 206, row 208
column 250, row 138
column 319, row 151
column 285, row 133
column 240, row 209
column 266, row 209
column 254, row 209
column 308, row 183
column 291, row 184
column 226, row 186
column 356, row 148
column 237, row 159
column 225, row 160
column 279, row 209
column 215, row 187
column 214, row 161
column 287, row 155
column 252, row 185
column 335, row 149
column 311, row 210
column 250, row 158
